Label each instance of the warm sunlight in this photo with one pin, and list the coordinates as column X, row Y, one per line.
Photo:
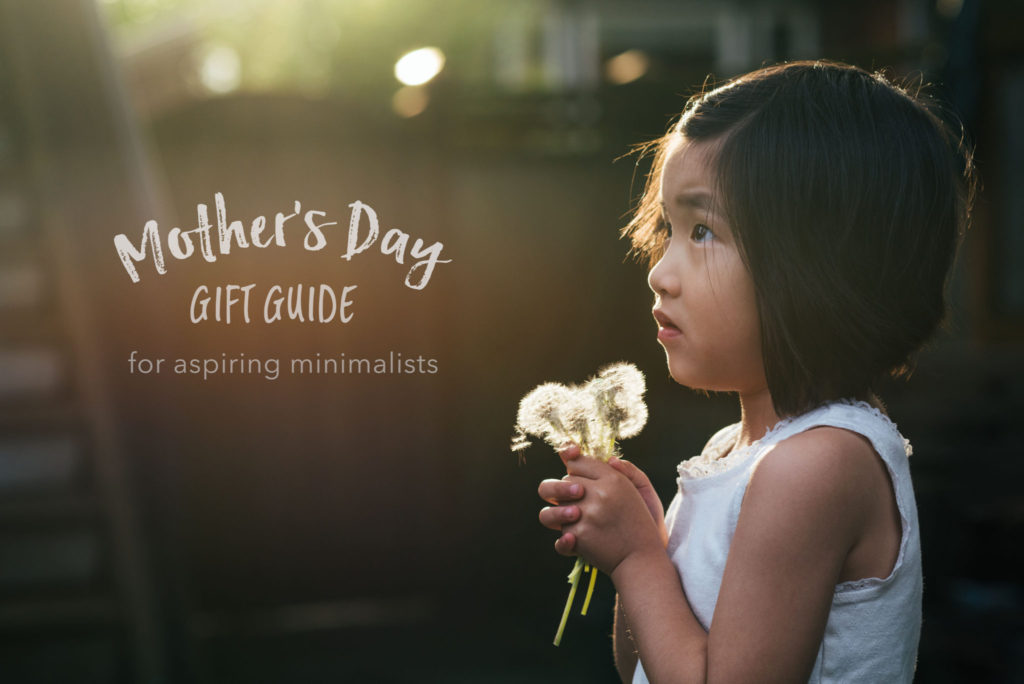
column 419, row 66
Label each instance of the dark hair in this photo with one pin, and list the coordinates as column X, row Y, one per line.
column 848, row 196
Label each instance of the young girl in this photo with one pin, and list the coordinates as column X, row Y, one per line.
column 804, row 220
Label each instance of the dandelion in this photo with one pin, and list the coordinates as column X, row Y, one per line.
column 618, row 391
column 608, row 407
column 540, row 414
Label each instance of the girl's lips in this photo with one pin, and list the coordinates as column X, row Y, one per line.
column 668, row 333
column 666, row 328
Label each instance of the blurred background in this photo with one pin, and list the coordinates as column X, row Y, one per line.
column 376, row 528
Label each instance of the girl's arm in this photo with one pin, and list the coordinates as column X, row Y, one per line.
column 805, row 508
column 625, row 649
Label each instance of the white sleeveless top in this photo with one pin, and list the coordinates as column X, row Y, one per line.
column 874, row 624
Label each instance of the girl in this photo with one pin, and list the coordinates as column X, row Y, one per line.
column 804, row 220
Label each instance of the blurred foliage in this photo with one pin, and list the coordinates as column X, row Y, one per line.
column 341, row 47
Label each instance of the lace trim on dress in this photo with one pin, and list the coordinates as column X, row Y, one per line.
column 885, row 419
column 719, row 456
column 865, row 582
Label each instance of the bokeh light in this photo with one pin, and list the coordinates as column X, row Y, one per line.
column 419, row 66
column 221, row 69
column 409, row 101
column 627, row 67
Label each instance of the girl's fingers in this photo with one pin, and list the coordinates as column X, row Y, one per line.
column 590, row 468
column 645, row 488
column 560, row 491
column 635, row 475
column 555, row 517
column 569, row 453
column 566, row 544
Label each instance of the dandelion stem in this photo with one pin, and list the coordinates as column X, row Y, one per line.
column 574, row 580
column 590, row 590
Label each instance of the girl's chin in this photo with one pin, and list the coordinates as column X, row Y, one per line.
column 688, row 377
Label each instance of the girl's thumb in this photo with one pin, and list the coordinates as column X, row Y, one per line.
column 646, row 489
column 635, row 475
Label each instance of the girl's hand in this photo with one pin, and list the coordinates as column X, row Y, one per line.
column 610, row 522
column 564, row 493
column 646, row 489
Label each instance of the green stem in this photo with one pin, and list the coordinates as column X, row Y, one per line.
column 590, row 590
column 574, row 580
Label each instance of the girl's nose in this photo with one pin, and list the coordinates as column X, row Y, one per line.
column 663, row 279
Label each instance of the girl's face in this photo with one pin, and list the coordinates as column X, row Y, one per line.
column 704, row 296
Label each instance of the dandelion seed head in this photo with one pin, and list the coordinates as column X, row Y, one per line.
column 622, row 402
column 614, row 414
column 636, row 418
column 608, row 407
column 539, row 411
column 627, row 377
column 576, row 417
column 520, row 441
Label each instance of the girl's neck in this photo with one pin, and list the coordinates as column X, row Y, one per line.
column 757, row 416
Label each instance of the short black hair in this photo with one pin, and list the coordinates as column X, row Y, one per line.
column 848, row 196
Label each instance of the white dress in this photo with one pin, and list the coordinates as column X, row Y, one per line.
column 874, row 624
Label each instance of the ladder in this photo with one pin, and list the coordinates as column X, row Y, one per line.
column 76, row 599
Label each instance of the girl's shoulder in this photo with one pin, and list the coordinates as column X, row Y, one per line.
column 849, row 465
column 846, row 425
column 820, row 471
column 823, row 457
column 838, row 440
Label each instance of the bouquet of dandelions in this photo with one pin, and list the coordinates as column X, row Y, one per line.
column 608, row 407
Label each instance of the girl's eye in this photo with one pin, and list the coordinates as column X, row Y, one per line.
column 665, row 225
column 701, row 233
